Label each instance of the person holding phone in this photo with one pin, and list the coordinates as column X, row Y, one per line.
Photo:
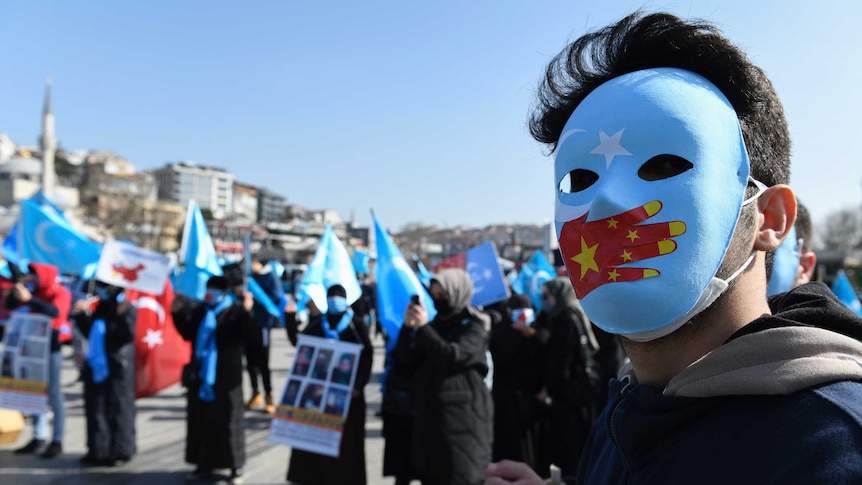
column 452, row 430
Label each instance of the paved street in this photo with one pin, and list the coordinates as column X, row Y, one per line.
column 161, row 435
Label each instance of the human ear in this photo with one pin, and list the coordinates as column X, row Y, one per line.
column 808, row 263
column 777, row 213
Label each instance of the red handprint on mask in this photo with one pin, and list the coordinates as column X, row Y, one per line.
column 593, row 251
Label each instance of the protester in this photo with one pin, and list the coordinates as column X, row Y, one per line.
column 38, row 291
column 257, row 336
column 452, row 431
column 398, row 411
column 109, row 376
column 672, row 152
column 793, row 263
column 215, row 433
column 571, row 375
column 518, row 429
column 339, row 323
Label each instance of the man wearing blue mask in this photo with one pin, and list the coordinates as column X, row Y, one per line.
column 671, row 164
column 339, row 323
column 793, row 263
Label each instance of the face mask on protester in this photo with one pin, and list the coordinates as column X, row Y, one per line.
column 785, row 265
column 651, row 171
column 336, row 304
column 442, row 305
column 524, row 315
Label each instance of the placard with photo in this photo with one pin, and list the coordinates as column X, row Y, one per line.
column 311, row 413
column 24, row 363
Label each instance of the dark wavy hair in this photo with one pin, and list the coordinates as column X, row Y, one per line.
column 642, row 41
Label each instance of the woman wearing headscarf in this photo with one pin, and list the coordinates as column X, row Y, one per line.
column 571, row 375
column 215, row 433
column 339, row 323
column 453, row 427
column 109, row 376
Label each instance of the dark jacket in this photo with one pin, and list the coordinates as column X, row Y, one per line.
column 271, row 285
column 110, row 405
column 215, row 431
column 349, row 467
column 452, row 431
column 779, row 402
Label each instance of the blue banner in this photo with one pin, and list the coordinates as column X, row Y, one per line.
column 199, row 259
column 360, row 261
column 489, row 284
column 532, row 275
column 45, row 236
column 396, row 283
column 844, row 291
column 330, row 265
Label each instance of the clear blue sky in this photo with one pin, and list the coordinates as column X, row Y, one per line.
column 414, row 109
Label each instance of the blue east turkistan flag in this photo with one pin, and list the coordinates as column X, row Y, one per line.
column 198, row 255
column 45, row 236
column 330, row 265
column 489, row 284
column 425, row 276
column 844, row 291
column 533, row 274
column 10, row 244
column 396, row 283
column 360, row 261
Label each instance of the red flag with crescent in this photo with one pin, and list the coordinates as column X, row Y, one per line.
column 160, row 351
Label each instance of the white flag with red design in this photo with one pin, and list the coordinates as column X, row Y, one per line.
column 160, row 351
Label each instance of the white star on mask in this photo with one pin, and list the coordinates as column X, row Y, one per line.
column 610, row 146
column 153, row 338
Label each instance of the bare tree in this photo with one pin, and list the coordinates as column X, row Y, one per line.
column 842, row 229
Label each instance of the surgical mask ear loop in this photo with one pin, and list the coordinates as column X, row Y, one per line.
column 761, row 188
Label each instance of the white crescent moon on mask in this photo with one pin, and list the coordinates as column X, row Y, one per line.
column 568, row 134
column 39, row 237
column 151, row 303
column 564, row 213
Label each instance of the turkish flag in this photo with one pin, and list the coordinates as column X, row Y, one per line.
column 457, row 261
column 160, row 351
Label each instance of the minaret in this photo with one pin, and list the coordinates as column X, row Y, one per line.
column 49, row 144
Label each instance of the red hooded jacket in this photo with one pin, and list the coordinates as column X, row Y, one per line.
column 51, row 291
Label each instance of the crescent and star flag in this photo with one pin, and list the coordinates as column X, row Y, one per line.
column 330, row 265
column 160, row 351
column 489, row 284
column 128, row 266
column 533, row 274
column 844, row 291
column 396, row 283
column 197, row 255
column 45, row 236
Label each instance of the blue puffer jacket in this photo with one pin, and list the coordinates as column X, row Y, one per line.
column 780, row 402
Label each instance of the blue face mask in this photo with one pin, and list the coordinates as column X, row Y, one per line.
column 651, row 171
column 31, row 286
column 785, row 265
column 336, row 304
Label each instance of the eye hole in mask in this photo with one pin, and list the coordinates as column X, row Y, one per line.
column 662, row 167
column 577, row 180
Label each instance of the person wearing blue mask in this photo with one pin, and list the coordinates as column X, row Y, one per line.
column 672, row 156
column 109, row 375
column 793, row 263
column 215, row 430
column 339, row 323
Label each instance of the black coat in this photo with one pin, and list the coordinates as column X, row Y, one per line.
column 110, row 405
column 215, row 433
column 349, row 467
column 452, row 431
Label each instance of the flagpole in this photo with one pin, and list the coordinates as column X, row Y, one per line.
column 187, row 227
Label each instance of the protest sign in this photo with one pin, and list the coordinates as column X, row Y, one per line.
column 316, row 398
column 24, row 363
column 128, row 266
